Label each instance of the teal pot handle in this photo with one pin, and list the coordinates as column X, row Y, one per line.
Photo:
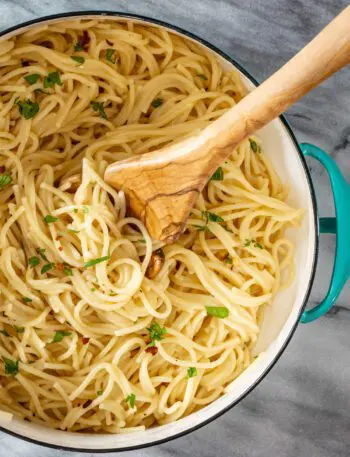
column 339, row 225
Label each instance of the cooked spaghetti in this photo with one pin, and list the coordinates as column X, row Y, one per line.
column 103, row 329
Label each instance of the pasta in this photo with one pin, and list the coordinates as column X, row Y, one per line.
column 104, row 330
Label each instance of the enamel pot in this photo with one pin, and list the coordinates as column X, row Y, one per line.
column 288, row 308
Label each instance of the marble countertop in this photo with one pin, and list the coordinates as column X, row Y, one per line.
column 303, row 406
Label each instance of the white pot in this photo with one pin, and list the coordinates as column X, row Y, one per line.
column 283, row 315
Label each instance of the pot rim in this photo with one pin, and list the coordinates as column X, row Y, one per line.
column 289, row 131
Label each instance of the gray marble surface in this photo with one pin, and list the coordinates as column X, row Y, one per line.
column 302, row 408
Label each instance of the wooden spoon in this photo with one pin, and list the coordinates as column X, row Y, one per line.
column 163, row 186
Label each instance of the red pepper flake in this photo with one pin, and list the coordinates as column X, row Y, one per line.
column 87, row 403
column 2, row 169
column 57, row 238
column 134, row 352
column 25, row 63
column 152, row 349
column 60, row 266
column 110, row 43
column 85, row 339
column 84, row 40
column 60, row 248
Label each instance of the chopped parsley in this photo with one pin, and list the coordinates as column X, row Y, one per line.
column 85, row 210
column 34, row 261
column 51, row 79
column 217, row 311
column 27, row 299
column 254, row 146
column 67, row 270
column 228, row 260
column 249, row 243
column 218, row 175
column 27, row 108
column 201, row 228
column 156, row 333
column 47, row 267
column 40, row 91
column 5, row 180
column 79, row 46
column 131, row 398
column 98, row 106
column 50, row 219
column 75, row 210
column 41, row 252
column 59, row 335
column 32, row 79
column 79, row 59
column 99, row 392
column 19, row 329
column 11, row 366
column 110, row 55
column 191, row 372
column 4, row 332
column 93, row 262
column 157, row 102
column 212, row 217
column 202, row 76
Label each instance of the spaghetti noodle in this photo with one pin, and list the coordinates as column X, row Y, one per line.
column 103, row 329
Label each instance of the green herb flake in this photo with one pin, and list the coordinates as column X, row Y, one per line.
column 93, row 289
column 40, row 91
column 4, row 332
column 191, row 372
column 110, row 55
column 5, row 180
column 201, row 228
column 156, row 333
column 78, row 46
column 67, row 270
column 47, row 267
column 254, row 146
column 27, row 299
column 218, row 175
column 142, row 241
column 75, row 210
column 157, row 102
column 202, row 76
column 19, row 329
column 248, row 243
column 79, row 59
column 32, row 79
column 99, row 392
column 51, row 79
column 228, row 260
column 73, row 231
column 212, row 217
column 41, row 252
column 93, row 262
column 131, row 398
column 34, row 261
column 59, row 335
column 27, row 108
column 98, row 106
column 11, row 366
column 85, row 210
column 50, row 219
column 217, row 311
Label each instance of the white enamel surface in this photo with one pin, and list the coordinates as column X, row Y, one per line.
column 278, row 323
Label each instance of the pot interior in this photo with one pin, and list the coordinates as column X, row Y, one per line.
column 280, row 317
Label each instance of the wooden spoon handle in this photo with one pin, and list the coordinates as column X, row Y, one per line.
column 324, row 55
column 163, row 186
